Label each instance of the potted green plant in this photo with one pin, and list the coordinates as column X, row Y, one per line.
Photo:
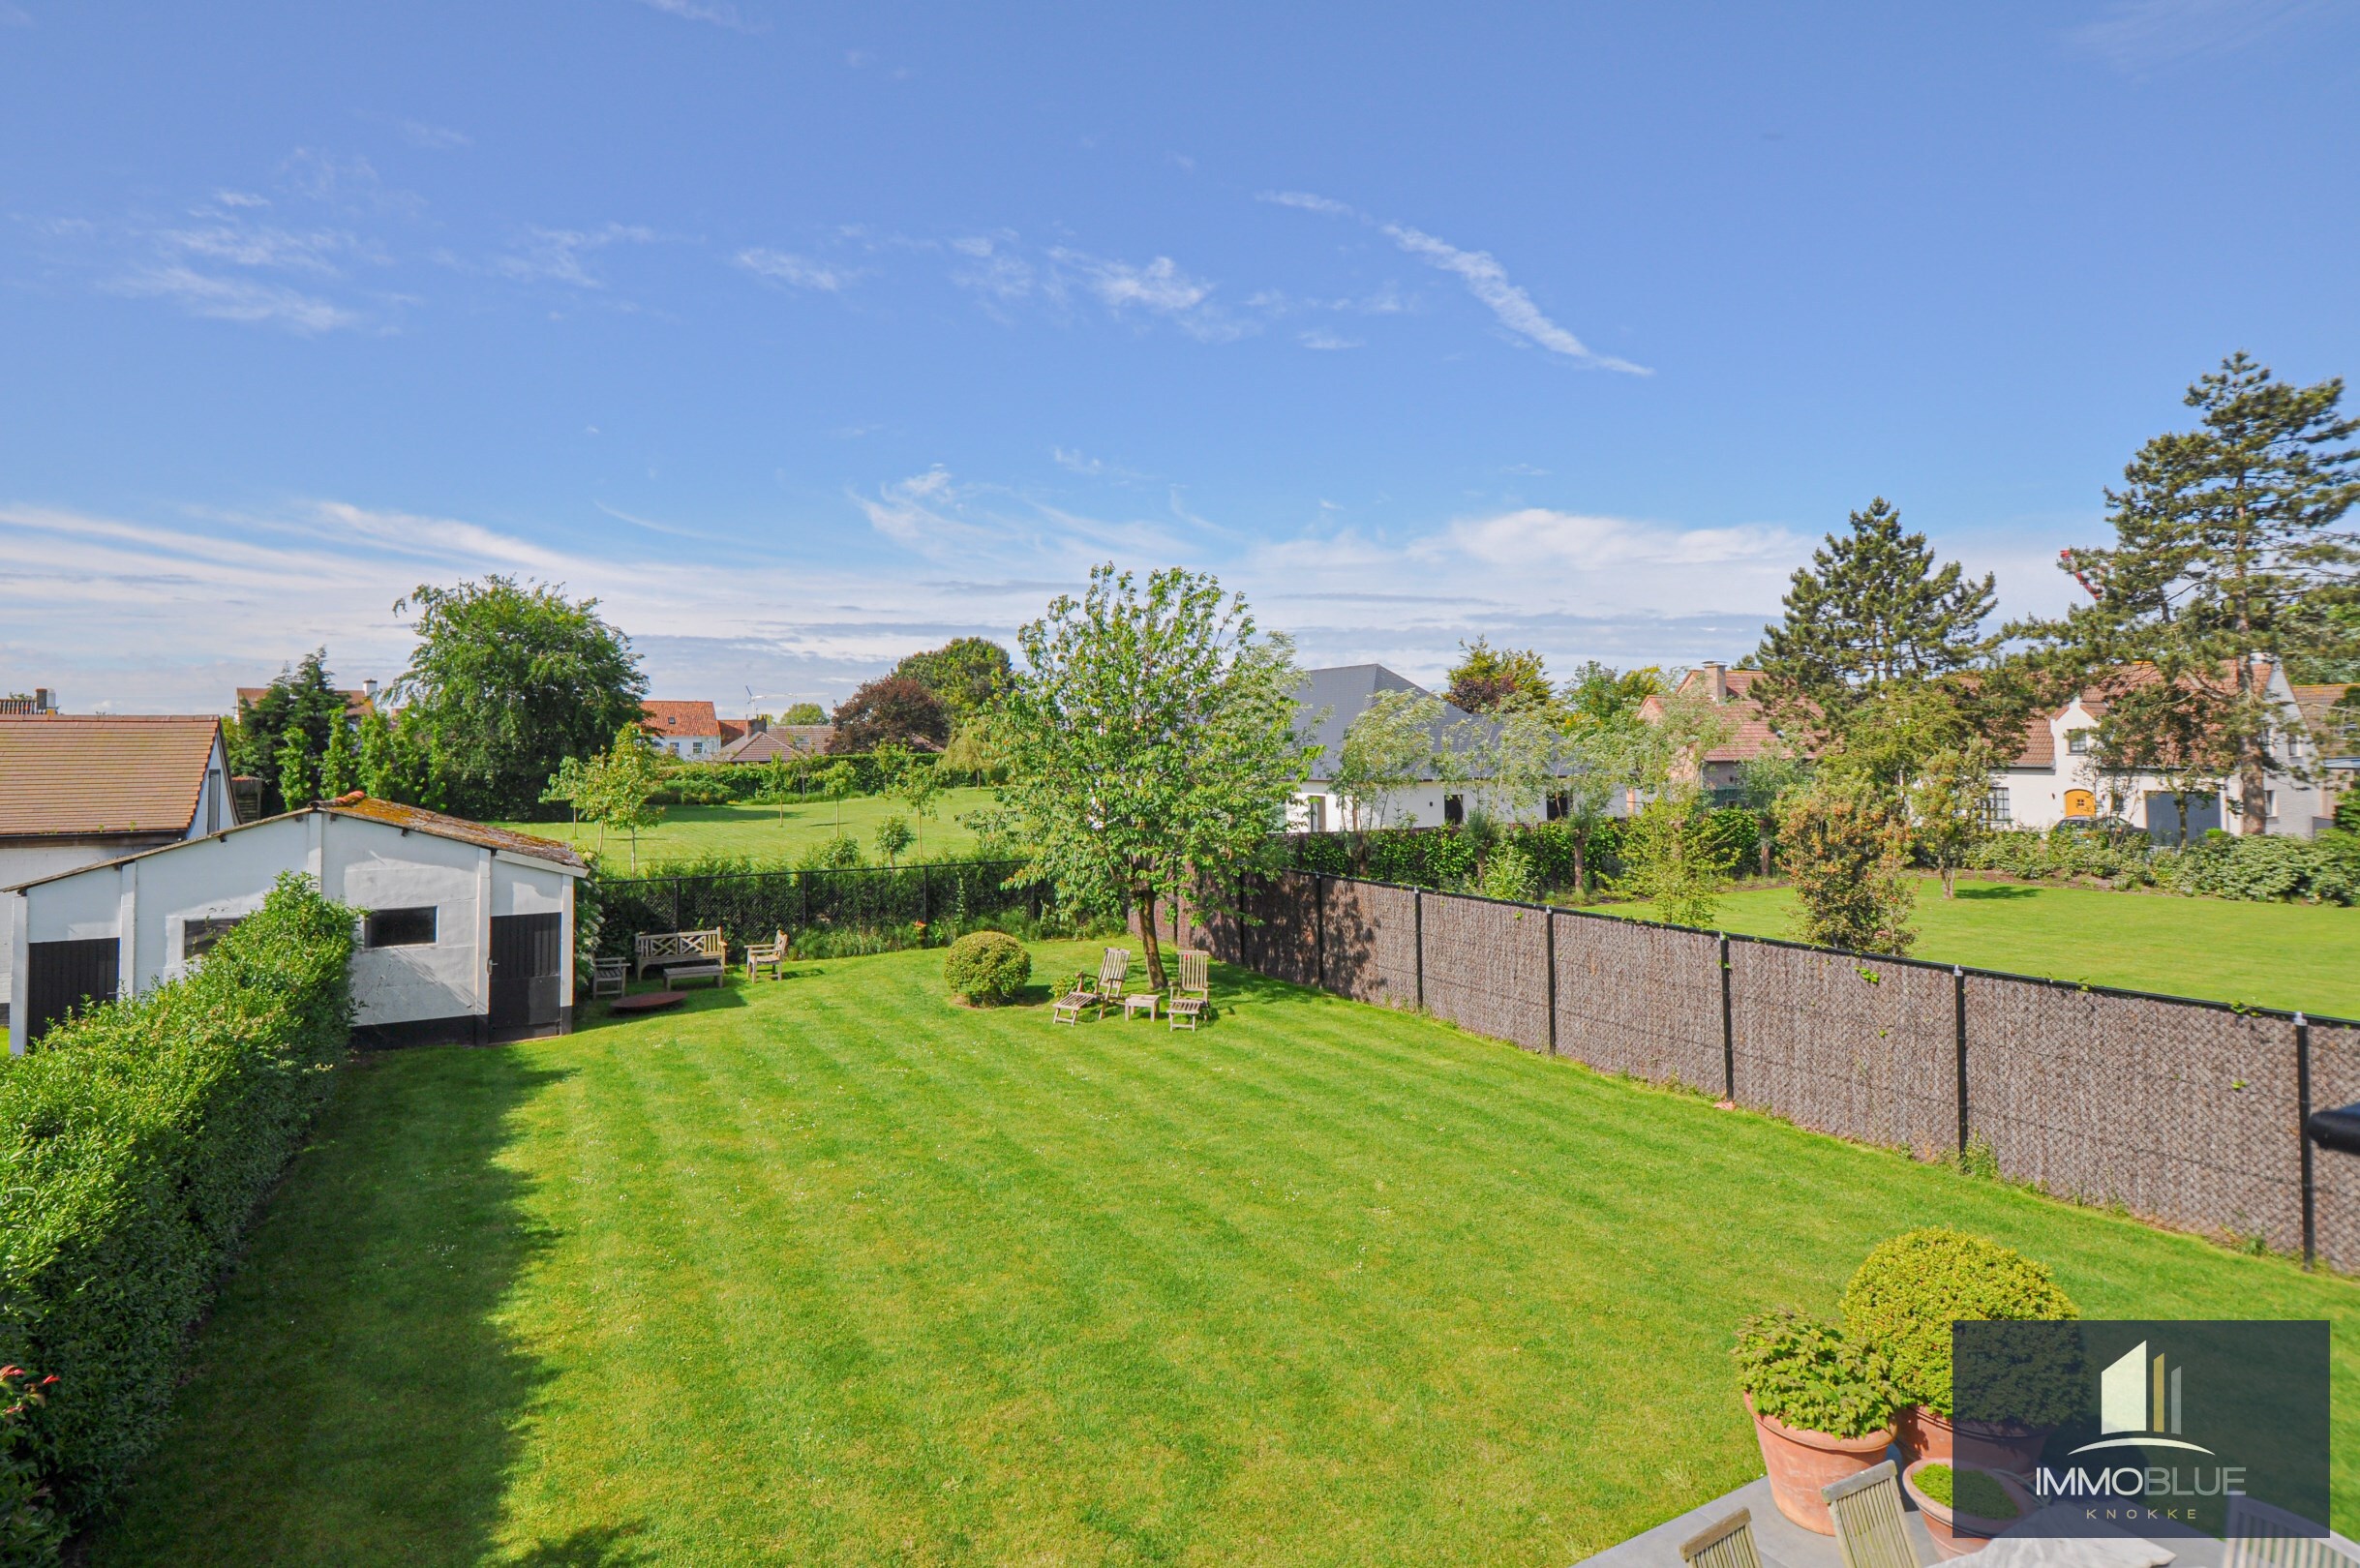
column 1822, row 1405
column 1902, row 1302
column 1963, row 1507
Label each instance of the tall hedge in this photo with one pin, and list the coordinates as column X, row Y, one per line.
column 136, row 1142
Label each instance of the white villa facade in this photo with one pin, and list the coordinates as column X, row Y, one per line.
column 1326, row 704
column 2055, row 778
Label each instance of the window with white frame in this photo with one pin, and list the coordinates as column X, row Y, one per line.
column 1995, row 806
column 2077, row 742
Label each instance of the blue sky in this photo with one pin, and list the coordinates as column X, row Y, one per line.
column 805, row 336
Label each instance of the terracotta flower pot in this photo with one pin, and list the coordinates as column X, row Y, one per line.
column 1955, row 1535
column 1924, row 1434
column 1800, row 1462
column 1928, row 1435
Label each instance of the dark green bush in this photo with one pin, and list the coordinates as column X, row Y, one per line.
column 1910, row 1290
column 988, row 967
column 2262, row 868
column 1733, row 834
column 136, row 1143
column 1812, row 1376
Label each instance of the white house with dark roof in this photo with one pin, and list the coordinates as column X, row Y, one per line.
column 1327, row 703
column 465, row 933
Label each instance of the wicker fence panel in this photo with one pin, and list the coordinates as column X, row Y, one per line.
column 1643, row 1000
column 1487, row 968
column 2180, row 1112
column 1369, row 944
column 1281, row 939
column 1866, row 1049
column 2335, row 1080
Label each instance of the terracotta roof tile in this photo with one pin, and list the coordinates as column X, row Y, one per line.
column 666, row 718
column 82, row 775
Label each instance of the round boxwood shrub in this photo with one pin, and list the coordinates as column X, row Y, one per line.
column 1909, row 1291
column 1813, row 1376
column 988, row 967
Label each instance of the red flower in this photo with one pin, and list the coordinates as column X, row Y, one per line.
column 46, row 1381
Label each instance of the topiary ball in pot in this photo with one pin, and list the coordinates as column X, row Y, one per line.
column 987, row 968
column 1909, row 1291
column 1822, row 1405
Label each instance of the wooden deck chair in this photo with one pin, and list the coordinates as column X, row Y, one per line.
column 609, row 977
column 2261, row 1536
column 1867, row 1512
column 1191, row 988
column 1728, row 1544
column 1100, row 990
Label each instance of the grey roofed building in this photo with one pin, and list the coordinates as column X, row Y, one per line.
column 1329, row 700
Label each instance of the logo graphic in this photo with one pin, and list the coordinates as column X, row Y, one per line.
column 2141, row 1398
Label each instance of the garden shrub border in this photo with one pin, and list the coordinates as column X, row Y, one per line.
column 141, row 1137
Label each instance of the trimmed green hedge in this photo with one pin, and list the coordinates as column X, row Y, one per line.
column 719, row 783
column 138, row 1140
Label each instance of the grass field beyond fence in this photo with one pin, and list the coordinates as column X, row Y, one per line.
column 765, row 833
column 833, row 1270
column 2273, row 955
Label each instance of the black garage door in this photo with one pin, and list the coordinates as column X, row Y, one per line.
column 528, row 968
column 62, row 976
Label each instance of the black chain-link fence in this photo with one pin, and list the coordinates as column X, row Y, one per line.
column 751, row 905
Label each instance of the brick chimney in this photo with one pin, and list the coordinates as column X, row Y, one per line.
column 1716, row 680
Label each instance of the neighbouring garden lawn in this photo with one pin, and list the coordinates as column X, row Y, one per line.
column 831, row 1270
column 2276, row 955
column 694, row 833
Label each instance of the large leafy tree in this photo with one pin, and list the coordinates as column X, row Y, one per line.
column 303, row 701
column 1488, row 679
column 1151, row 743
column 2228, row 545
column 1599, row 693
column 891, row 711
column 965, row 673
column 509, row 679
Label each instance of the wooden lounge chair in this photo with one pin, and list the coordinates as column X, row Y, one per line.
column 2263, row 1536
column 770, row 954
column 1728, row 1544
column 1191, row 988
column 1101, row 990
column 609, row 977
column 1867, row 1509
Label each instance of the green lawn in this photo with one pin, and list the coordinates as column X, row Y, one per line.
column 2277, row 956
column 692, row 832
column 833, row 1270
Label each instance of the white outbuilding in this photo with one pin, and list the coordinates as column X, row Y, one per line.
column 465, row 933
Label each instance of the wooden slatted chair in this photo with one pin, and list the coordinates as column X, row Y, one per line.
column 609, row 977
column 770, row 955
column 1191, row 988
column 1728, row 1544
column 1867, row 1512
column 2261, row 1536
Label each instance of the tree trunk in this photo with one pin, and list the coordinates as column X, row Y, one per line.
column 1763, row 828
column 2252, row 793
column 1143, row 899
column 1581, row 866
column 1950, row 880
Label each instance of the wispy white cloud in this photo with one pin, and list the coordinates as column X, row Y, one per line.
column 432, row 137
column 2141, row 35
column 1157, row 288
column 562, row 255
column 719, row 12
column 1308, row 202
column 239, row 299
column 796, row 271
column 350, row 184
column 1326, row 341
column 1488, row 280
column 322, row 252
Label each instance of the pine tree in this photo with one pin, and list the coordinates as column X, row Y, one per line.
column 297, row 783
column 340, row 770
column 2226, row 549
column 1872, row 610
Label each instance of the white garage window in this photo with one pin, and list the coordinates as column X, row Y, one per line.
column 197, row 936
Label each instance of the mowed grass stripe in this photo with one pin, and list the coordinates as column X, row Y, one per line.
column 832, row 1271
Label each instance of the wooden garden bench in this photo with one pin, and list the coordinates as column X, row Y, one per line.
column 682, row 954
